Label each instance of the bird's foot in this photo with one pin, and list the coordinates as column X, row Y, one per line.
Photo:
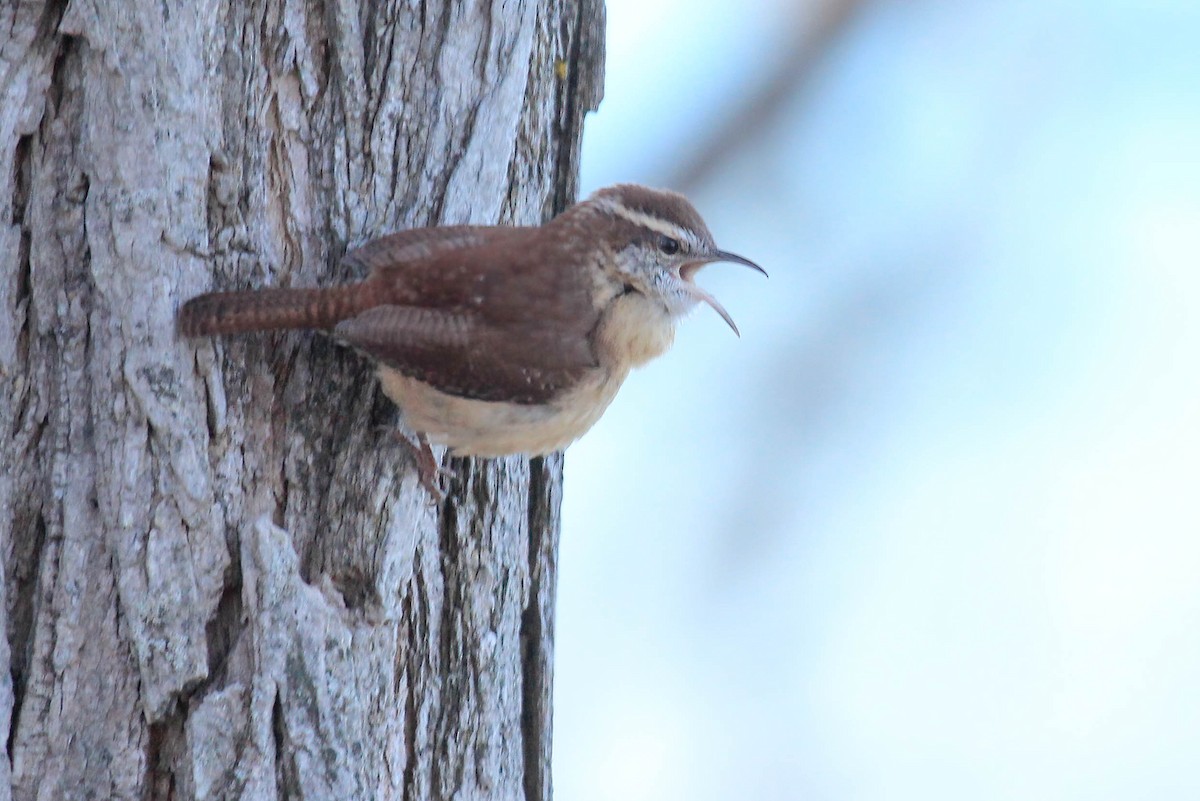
column 433, row 477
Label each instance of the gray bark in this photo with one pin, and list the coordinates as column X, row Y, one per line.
column 221, row 577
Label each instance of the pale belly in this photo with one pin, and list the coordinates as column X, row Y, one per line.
column 482, row 428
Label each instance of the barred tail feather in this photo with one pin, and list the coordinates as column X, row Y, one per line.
column 268, row 309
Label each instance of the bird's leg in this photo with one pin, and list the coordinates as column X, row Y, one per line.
column 430, row 472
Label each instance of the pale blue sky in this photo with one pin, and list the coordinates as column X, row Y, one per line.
column 930, row 528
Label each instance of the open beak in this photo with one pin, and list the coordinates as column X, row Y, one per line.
column 689, row 270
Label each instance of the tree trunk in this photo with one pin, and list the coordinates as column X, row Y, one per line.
column 221, row 576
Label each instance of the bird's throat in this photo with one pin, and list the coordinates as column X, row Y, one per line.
column 633, row 330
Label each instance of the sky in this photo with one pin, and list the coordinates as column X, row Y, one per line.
column 930, row 527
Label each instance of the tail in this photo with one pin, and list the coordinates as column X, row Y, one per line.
column 269, row 309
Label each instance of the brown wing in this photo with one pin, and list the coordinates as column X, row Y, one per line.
column 499, row 314
column 459, row 356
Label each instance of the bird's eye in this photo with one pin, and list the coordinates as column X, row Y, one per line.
column 668, row 245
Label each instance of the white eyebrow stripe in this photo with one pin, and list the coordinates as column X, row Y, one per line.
column 646, row 221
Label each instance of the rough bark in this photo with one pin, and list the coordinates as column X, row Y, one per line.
column 221, row 577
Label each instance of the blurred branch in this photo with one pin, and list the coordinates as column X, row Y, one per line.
column 811, row 42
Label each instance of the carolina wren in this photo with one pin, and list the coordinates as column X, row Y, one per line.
column 502, row 340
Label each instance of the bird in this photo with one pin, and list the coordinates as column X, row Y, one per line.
column 500, row 340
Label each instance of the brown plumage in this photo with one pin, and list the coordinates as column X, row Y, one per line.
column 502, row 339
column 516, row 330
column 270, row 309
